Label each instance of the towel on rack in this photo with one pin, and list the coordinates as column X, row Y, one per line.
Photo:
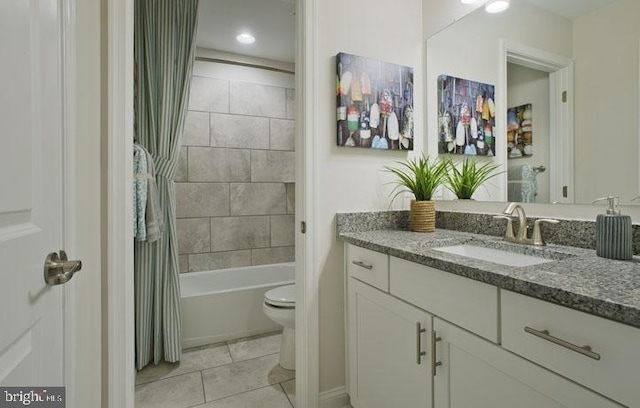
column 140, row 189
column 529, row 188
column 153, row 218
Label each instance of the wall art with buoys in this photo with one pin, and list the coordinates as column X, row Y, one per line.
column 374, row 103
column 466, row 117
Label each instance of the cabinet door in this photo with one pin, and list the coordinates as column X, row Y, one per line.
column 386, row 338
column 477, row 374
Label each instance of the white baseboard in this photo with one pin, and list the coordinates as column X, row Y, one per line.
column 335, row 398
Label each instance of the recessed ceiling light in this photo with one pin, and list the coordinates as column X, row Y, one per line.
column 496, row 6
column 468, row 1
column 246, row 38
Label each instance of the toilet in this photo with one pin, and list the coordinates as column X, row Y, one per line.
column 280, row 306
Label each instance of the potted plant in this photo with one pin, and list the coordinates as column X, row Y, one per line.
column 463, row 182
column 421, row 178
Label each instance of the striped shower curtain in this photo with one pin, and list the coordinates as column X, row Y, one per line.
column 164, row 47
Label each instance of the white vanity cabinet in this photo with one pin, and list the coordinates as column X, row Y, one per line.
column 420, row 337
column 473, row 372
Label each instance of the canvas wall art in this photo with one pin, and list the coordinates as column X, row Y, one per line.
column 374, row 103
column 466, row 117
column 520, row 131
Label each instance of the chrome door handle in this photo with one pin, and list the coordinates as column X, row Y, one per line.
column 434, row 364
column 59, row 270
column 419, row 352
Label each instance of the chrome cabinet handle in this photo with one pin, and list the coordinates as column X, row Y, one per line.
column 362, row 264
column 419, row 352
column 58, row 269
column 434, row 363
column 544, row 334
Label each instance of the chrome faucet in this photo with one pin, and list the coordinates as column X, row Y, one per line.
column 522, row 221
column 521, row 238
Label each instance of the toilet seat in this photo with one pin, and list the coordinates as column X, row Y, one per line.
column 283, row 296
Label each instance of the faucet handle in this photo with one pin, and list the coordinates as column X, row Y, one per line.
column 508, row 234
column 538, row 239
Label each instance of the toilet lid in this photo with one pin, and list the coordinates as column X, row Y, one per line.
column 282, row 296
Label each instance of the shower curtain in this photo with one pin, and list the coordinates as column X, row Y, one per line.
column 164, row 48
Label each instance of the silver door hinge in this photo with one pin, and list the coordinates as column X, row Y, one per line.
column 565, row 191
column 564, row 96
column 303, row 227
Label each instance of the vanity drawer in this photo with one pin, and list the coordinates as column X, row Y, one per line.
column 368, row 266
column 462, row 301
column 552, row 336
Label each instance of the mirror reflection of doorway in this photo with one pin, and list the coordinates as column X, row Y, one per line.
column 528, row 101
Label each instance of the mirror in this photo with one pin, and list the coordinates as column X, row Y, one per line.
column 600, row 42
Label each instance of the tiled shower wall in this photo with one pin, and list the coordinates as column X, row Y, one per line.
column 234, row 185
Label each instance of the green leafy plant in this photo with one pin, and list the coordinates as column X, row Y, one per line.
column 418, row 176
column 465, row 181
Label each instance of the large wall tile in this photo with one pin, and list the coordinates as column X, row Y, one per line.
column 258, row 100
column 183, row 261
column 272, row 166
column 239, row 131
column 291, row 103
column 265, row 256
column 193, row 235
column 231, row 233
column 258, row 198
column 282, row 230
column 181, row 170
column 219, row 260
column 209, row 95
column 291, row 198
column 196, row 129
column 219, row 164
column 282, row 134
column 202, row 200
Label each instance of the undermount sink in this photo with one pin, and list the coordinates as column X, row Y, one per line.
column 496, row 256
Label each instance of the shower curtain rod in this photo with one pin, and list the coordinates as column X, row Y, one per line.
column 244, row 64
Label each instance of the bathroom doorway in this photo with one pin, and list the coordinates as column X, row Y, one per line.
column 529, row 65
column 528, row 115
column 235, row 210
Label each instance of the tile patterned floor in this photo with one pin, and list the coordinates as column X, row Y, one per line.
column 241, row 373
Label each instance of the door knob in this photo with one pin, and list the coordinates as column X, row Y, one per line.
column 59, row 270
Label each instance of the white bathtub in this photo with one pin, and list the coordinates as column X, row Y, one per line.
column 226, row 304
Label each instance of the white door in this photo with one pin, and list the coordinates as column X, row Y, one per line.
column 389, row 353
column 31, row 317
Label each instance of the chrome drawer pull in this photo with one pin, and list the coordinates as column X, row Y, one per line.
column 544, row 334
column 362, row 264
column 419, row 352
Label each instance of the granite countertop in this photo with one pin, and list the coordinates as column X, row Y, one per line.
column 575, row 277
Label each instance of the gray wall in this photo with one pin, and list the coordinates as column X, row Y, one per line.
column 234, row 186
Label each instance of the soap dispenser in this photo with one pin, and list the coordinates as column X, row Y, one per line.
column 613, row 232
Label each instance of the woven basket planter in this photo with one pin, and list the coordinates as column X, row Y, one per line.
column 422, row 217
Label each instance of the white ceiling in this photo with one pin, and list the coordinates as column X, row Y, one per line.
column 572, row 8
column 272, row 22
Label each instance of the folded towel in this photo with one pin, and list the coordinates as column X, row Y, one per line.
column 529, row 188
column 140, row 187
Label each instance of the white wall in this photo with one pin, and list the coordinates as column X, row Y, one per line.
column 88, row 203
column 438, row 14
column 350, row 179
column 470, row 49
column 606, row 46
column 524, row 86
